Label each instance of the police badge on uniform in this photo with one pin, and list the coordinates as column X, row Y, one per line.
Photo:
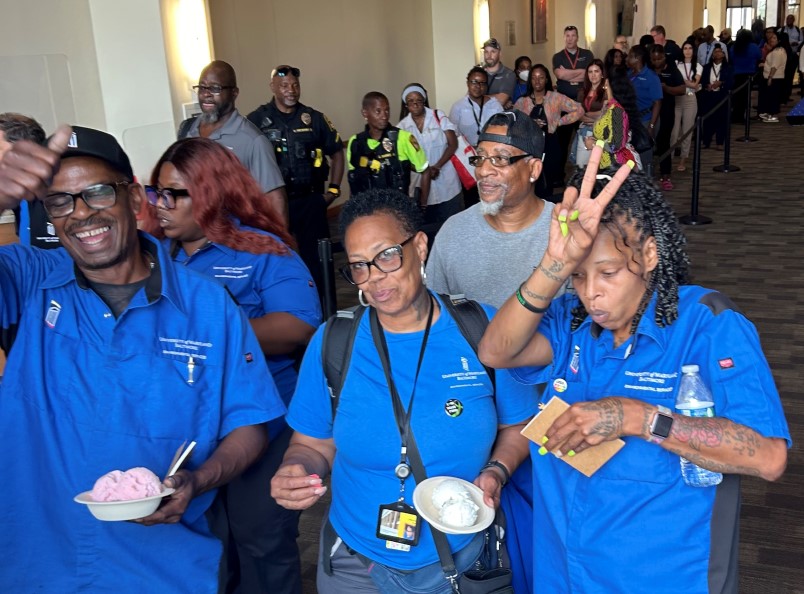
column 387, row 144
column 306, row 119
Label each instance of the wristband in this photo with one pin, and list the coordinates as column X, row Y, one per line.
column 529, row 306
column 501, row 466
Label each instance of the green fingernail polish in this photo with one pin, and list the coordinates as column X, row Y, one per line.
column 542, row 451
column 630, row 164
column 571, row 453
column 575, row 214
column 544, row 439
column 562, row 218
column 600, row 143
column 564, row 229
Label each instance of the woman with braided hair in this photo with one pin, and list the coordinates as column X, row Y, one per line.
column 614, row 351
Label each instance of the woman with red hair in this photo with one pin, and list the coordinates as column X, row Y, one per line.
column 215, row 218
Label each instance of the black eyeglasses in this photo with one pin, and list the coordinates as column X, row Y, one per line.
column 478, row 83
column 497, row 160
column 168, row 195
column 388, row 260
column 212, row 89
column 285, row 70
column 97, row 197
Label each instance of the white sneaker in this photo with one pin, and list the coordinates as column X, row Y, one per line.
column 764, row 116
column 771, row 119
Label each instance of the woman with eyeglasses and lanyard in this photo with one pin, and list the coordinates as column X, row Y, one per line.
column 211, row 213
column 436, row 135
column 407, row 349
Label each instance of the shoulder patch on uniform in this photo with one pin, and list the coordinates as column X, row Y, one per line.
column 718, row 303
column 329, row 123
column 414, row 142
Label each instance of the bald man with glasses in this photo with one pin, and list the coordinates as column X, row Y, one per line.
column 220, row 121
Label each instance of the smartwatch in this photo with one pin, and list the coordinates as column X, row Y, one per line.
column 660, row 425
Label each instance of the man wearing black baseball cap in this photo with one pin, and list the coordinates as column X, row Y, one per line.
column 482, row 251
column 502, row 80
column 120, row 356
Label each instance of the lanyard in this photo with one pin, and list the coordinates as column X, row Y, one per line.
column 572, row 62
column 688, row 71
column 402, row 418
column 716, row 71
column 474, row 115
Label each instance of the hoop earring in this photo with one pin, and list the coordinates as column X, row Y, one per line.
column 360, row 298
column 423, row 272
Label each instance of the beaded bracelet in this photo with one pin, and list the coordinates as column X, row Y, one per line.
column 529, row 306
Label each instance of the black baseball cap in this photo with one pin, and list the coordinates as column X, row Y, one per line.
column 491, row 43
column 523, row 132
column 86, row 142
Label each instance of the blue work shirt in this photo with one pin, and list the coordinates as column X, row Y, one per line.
column 85, row 393
column 367, row 438
column 635, row 525
column 747, row 62
column 648, row 88
column 261, row 284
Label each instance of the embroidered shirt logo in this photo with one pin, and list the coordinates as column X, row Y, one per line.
column 465, row 363
column 575, row 363
column 52, row 314
column 726, row 363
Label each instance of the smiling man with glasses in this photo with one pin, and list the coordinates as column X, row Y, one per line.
column 220, row 121
column 120, row 356
column 486, row 250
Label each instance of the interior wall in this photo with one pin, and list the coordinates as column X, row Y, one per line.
column 95, row 63
column 560, row 13
column 343, row 48
column 453, row 50
column 679, row 18
column 51, row 75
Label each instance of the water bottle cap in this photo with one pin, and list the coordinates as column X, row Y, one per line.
column 689, row 369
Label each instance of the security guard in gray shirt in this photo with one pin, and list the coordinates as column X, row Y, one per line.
column 303, row 139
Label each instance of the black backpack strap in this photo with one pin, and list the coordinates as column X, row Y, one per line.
column 336, row 349
column 472, row 322
column 185, row 126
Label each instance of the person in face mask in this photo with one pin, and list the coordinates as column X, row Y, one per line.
column 522, row 70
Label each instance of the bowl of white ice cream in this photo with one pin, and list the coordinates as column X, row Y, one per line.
column 452, row 505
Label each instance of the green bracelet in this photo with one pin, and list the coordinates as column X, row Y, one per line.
column 529, row 306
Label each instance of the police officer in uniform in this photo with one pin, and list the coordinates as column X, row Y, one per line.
column 382, row 156
column 303, row 139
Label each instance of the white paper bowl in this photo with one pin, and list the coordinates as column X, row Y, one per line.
column 423, row 502
column 117, row 511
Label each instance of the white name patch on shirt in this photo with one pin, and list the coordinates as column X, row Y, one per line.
column 231, row 271
column 650, row 381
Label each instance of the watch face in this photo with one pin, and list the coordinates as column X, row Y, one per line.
column 661, row 425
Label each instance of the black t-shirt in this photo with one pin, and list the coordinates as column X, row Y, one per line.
column 672, row 51
column 669, row 77
column 579, row 60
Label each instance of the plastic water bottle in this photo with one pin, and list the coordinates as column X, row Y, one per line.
column 695, row 400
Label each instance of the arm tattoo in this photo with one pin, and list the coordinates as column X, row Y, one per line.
column 533, row 295
column 551, row 273
column 610, row 422
column 705, row 435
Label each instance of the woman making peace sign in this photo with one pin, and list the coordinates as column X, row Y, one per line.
column 614, row 352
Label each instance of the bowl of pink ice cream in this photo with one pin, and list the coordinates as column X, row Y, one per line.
column 128, row 495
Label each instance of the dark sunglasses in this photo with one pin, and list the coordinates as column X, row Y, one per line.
column 168, row 195
column 285, row 71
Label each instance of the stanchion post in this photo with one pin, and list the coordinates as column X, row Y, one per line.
column 694, row 218
column 329, row 303
column 727, row 167
column 746, row 137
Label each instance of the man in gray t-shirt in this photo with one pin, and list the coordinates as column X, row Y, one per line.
column 502, row 80
column 220, row 121
column 486, row 251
